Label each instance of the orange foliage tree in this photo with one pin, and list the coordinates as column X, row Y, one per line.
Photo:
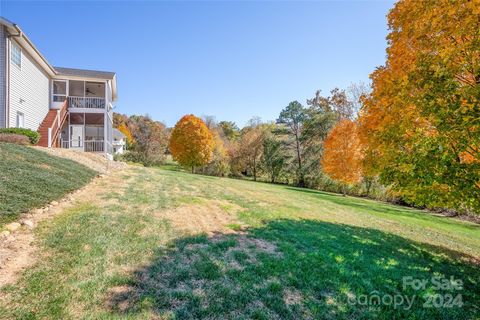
column 123, row 128
column 191, row 142
column 421, row 122
column 342, row 157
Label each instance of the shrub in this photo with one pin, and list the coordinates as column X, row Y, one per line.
column 150, row 138
column 218, row 167
column 33, row 136
column 14, row 138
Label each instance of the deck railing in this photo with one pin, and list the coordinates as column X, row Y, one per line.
column 94, row 146
column 86, row 102
column 87, row 145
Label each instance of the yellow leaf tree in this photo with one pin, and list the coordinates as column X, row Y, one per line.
column 342, row 157
column 421, row 122
column 191, row 142
column 123, row 128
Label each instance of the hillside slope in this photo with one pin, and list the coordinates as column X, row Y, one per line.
column 149, row 243
column 95, row 161
column 30, row 178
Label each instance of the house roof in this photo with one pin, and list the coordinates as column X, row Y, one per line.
column 118, row 133
column 17, row 33
column 84, row 73
column 92, row 74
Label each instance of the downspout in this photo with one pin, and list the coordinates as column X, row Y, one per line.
column 7, row 80
column 7, row 73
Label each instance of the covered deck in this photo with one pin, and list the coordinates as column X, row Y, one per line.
column 80, row 94
column 86, row 132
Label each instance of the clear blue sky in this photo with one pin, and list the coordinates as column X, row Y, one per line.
column 233, row 60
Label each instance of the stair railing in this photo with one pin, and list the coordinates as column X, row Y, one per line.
column 53, row 132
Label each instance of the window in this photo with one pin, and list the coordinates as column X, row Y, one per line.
column 16, row 55
column 59, row 90
column 76, row 88
column 20, row 120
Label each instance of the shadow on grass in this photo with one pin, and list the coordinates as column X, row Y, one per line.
column 290, row 269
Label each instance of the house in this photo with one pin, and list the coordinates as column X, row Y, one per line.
column 70, row 108
column 119, row 142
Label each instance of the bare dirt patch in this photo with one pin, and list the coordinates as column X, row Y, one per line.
column 251, row 247
column 292, row 296
column 258, row 244
column 255, row 245
column 16, row 254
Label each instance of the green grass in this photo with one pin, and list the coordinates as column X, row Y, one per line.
column 30, row 178
column 290, row 254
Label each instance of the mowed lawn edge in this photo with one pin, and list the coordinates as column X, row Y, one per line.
column 30, row 178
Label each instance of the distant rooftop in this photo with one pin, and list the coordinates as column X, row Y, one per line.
column 118, row 133
column 84, row 73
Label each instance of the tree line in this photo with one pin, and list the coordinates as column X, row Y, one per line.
column 411, row 136
column 315, row 145
column 146, row 139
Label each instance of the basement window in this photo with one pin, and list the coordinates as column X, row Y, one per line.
column 16, row 55
column 20, row 120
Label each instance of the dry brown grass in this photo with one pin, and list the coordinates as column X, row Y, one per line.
column 97, row 162
column 14, row 138
column 292, row 296
column 210, row 217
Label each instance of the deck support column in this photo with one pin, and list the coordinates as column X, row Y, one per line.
column 105, row 132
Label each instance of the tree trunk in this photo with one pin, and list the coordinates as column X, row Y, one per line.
column 254, row 170
column 299, row 159
column 301, row 183
column 368, row 185
column 344, row 190
column 193, row 169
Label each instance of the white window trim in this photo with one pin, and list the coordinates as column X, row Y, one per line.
column 58, row 94
column 13, row 45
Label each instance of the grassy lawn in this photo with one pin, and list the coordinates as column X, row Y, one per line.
column 158, row 243
column 30, row 178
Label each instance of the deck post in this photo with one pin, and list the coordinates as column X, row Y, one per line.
column 104, row 132
column 49, row 137
column 68, row 132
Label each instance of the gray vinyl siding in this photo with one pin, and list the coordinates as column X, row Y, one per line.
column 29, row 92
column 3, row 84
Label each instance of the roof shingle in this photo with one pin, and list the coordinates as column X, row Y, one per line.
column 84, row 73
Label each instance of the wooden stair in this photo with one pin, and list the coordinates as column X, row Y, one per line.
column 50, row 121
column 45, row 125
